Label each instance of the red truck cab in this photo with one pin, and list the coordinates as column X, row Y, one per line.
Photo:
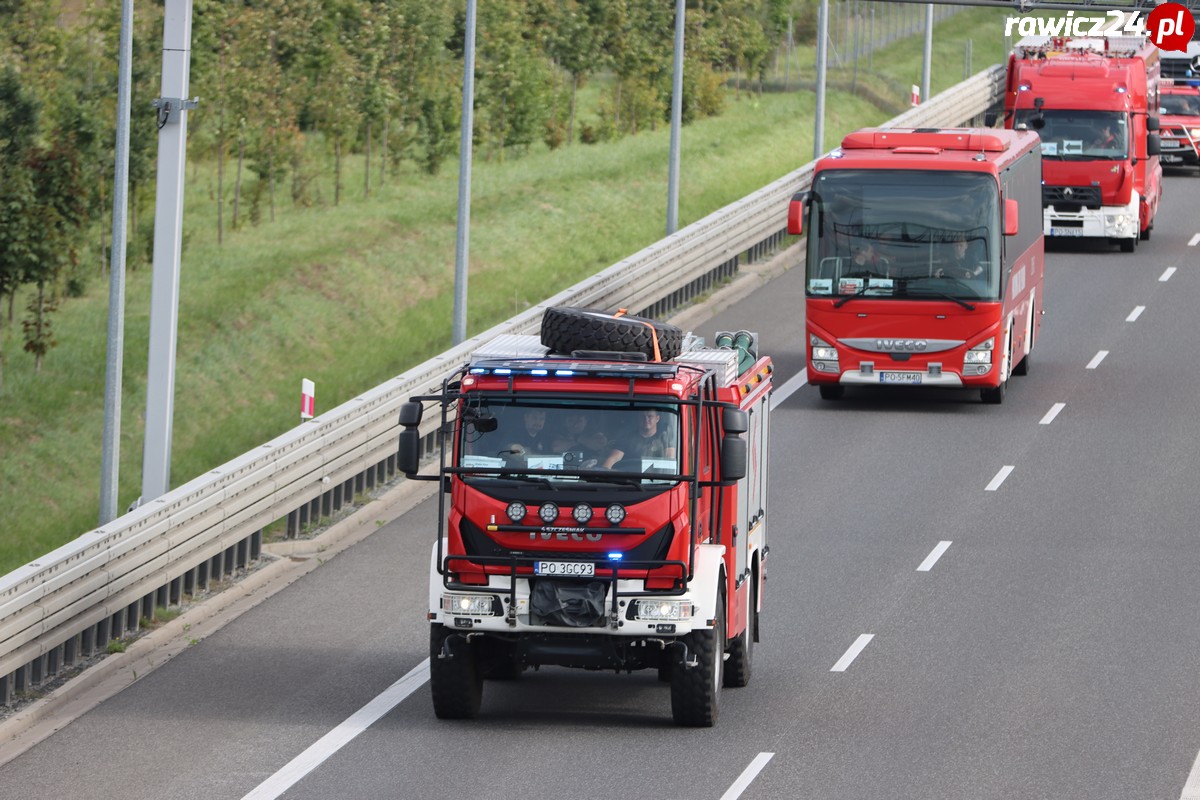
column 1094, row 102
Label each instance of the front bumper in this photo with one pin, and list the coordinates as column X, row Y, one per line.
column 1108, row 222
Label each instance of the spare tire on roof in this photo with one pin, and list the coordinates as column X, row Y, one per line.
column 566, row 330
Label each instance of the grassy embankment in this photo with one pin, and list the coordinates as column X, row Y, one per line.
column 350, row 296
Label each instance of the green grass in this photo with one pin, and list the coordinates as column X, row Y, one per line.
column 353, row 295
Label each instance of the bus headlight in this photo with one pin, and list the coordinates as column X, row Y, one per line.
column 469, row 605
column 978, row 360
column 823, row 356
column 664, row 609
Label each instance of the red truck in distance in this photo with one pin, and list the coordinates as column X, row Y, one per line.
column 1094, row 102
column 1180, row 123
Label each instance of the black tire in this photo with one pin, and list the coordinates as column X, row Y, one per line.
column 739, row 665
column 994, row 396
column 831, row 391
column 696, row 690
column 456, row 682
column 1023, row 367
column 1129, row 245
column 565, row 330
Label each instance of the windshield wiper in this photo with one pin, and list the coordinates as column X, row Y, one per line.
column 950, row 297
column 841, row 301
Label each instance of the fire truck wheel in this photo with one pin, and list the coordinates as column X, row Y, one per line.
column 566, row 329
column 1129, row 245
column 456, row 681
column 739, row 664
column 696, row 689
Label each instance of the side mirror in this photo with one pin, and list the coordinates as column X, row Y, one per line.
column 796, row 211
column 734, row 420
column 408, row 459
column 1151, row 123
column 410, row 413
column 733, row 459
column 1153, row 144
column 989, row 119
column 1011, row 210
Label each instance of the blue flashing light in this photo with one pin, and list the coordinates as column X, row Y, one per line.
column 564, row 373
column 539, row 372
column 1121, row 90
column 503, row 371
column 615, row 556
column 478, row 371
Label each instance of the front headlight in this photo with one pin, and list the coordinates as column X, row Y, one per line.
column 664, row 609
column 1195, row 132
column 469, row 605
column 822, row 351
column 978, row 360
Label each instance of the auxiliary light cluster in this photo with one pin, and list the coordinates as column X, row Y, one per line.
column 548, row 513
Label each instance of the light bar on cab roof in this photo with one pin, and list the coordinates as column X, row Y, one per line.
column 572, row 369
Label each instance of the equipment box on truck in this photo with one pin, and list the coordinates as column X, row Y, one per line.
column 604, row 508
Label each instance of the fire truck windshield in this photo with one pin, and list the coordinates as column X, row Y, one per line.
column 1180, row 105
column 569, row 440
column 1072, row 135
column 904, row 235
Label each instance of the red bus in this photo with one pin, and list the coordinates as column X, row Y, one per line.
column 925, row 259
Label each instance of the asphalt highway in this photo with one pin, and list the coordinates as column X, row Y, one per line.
column 963, row 601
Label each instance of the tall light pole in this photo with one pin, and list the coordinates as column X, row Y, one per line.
column 676, row 123
column 463, row 238
column 110, row 459
column 172, row 108
column 822, row 35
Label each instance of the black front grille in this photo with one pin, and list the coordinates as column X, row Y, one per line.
column 1066, row 198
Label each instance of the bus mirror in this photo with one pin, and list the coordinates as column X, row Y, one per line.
column 1010, row 217
column 408, row 460
column 796, row 211
column 410, row 414
column 1153, row 144
column 733, row 458
column 1152, row 123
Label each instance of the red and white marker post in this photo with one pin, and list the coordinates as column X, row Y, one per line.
column 308, row 399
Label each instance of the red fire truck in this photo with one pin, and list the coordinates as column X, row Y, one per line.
column 1094, row 102
column 924, row 259
column 1180, row 122
column 604, row 508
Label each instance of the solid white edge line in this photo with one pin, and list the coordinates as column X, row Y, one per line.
column 1052, row 413
column 339, row 737
column 851, row 654
column 933, row 556
column 999, row 479
column 1137, row 312
column 1166, row 276
column 748, row 775
column 789, row 388
column 1096, row 359
column 1195, row 240
column 1191, row 789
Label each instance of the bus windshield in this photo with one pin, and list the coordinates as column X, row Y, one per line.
column 904, row 235
column 564, row 441
column 1072, row 135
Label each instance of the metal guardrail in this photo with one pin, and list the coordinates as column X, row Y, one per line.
column 70, row 603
